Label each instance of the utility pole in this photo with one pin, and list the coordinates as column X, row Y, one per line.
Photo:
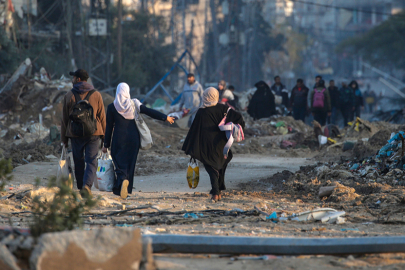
column 29, row 22
column 191, row 42
column 183, row 6
column 215, row 35
column 204, row 58
column 68, row 20
column 119, row 40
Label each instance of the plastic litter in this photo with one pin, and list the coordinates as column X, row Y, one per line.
column 349, row 229
column 193, row 173
column 354, row 167
column 124, row 225
column 273, row 217
column 192, row 215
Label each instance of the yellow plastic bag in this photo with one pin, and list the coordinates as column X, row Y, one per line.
column 193, row 173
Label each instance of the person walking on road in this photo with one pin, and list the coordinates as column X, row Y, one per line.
column 334, row 99
column 320, row 103
column 358, row 99
column 122, row 135
column 192, row 96
column 298, row 100
column 83, row 129
column 205, row 141
column 346, row 100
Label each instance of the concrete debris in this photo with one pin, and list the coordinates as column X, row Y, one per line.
column 21, row 70
column 44, row 194
column 326, row 191
column 7, row 259
column 108, row 248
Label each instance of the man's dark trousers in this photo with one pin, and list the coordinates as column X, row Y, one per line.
column 85, row 151
column 299, row 113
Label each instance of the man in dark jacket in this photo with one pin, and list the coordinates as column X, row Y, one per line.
column 85, row 149
column 334, row 99
column 279, row 89
column 298, row 100
column 346, row 100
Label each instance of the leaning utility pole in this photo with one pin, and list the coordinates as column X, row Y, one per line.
column 119, row 33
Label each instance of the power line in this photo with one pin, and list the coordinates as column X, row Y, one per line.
column 341, row 7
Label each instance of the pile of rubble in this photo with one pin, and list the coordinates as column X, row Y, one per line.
column 30, row 115
column 375, row 183
column 275, row 125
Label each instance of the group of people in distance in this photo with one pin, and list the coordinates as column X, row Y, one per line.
column 323, row 102
column 326, row 102
column 118, row 131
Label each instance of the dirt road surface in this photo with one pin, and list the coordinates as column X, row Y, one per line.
column 242, row 169
column 162, row 197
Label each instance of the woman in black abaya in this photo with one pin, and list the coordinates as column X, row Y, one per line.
column 126, row 142
column 262, row 104
column 205, row 142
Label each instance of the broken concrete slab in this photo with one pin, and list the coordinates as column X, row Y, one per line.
column 107, row 248
column 332, row 217
column 326, row 191
column 7, row 259
column 21, row 70
column 316, row 214
column 44, row 194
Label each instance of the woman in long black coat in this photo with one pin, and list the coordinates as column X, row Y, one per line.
column 126, row 142
column 205, row 141
column 262, row 104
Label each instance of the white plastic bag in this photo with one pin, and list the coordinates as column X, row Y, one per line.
column 64, row 168
column 105, row 173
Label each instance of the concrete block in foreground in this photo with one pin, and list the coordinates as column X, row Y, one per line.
column 278, row 246
column 107, row 248
column 7, row 259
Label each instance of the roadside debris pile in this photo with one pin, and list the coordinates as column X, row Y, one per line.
column 275, row 125
column 374, row 182
column 361, row 140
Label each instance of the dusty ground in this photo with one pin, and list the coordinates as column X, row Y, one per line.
column 211, row 262
column 252, row 181
column 261, row 176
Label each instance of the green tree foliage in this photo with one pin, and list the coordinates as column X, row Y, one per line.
column 5, row 172
column 145, row 55
column 63, row 213
column 383, row 45
column 8, row 54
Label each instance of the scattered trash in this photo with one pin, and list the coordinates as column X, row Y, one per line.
column 192, row 215
column 323, row 214
column 354, row 167
column 272, row 217
column 349, row 229
column 124, row 225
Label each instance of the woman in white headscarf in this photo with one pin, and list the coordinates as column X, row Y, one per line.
column 125, row 143
column 205, row 141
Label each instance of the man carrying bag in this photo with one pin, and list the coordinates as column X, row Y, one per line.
column 83, row 121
